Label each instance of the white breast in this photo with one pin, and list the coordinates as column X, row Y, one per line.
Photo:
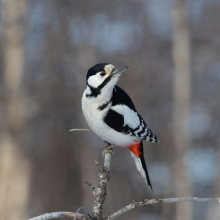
column 94, row 118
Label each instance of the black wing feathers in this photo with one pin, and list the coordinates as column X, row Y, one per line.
column 121, row 97
column 113, row 119
column 116, row 120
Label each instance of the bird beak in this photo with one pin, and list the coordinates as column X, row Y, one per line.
column 119, row 70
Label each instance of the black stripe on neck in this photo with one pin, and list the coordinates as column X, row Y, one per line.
column 97, row 91
column 102, row 107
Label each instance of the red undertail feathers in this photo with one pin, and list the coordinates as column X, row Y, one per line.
column 137, row 153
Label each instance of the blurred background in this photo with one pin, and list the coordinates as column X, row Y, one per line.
column 172, row 48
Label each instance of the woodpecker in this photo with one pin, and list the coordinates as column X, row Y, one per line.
column 111, row 114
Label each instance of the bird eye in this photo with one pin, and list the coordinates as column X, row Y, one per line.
column 102, row 73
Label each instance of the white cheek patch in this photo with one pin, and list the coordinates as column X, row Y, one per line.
column 130, row 117
column 108, row 68
column 95, row 80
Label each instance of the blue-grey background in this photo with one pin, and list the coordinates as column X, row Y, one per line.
column 43, row 165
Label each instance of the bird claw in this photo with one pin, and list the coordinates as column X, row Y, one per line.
column 108, row 149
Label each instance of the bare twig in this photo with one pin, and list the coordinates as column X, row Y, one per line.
column 80, row 129
column 93, row 187
column 77, row 213
column 58, row 215
column 99, row 165
column 195, row 199
column 126, row 208
column 99, row 198
column 158, row 201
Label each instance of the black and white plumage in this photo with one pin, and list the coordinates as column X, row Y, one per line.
column 111, row 114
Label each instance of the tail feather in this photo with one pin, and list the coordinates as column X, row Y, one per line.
column 137, row 154
column 151, row 137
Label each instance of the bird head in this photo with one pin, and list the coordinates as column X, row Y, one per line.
column 102, row 78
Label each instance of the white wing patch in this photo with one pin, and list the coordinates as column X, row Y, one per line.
column 130, row 117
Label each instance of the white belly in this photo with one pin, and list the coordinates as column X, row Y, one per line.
column 94, row 118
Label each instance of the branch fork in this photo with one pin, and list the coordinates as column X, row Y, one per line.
column 100, row 193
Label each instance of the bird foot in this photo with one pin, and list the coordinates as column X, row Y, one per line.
column 108, row 149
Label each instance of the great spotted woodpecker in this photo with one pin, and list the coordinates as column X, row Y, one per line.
column 110, row 113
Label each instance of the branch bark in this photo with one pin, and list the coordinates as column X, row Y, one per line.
column 58, row 215
column 100, row 192
column 126, row 208
column 158, row 201
column 99, row 198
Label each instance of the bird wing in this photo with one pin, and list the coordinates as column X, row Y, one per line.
column 123, row 117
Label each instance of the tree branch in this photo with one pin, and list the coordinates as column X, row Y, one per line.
column 100, row 193
column 89, row 184
column 126, row 208
column 58, row 215
column 80, row 129
column 158, row 201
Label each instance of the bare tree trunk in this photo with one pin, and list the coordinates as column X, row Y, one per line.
column 14, row 165
column 181, row 60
